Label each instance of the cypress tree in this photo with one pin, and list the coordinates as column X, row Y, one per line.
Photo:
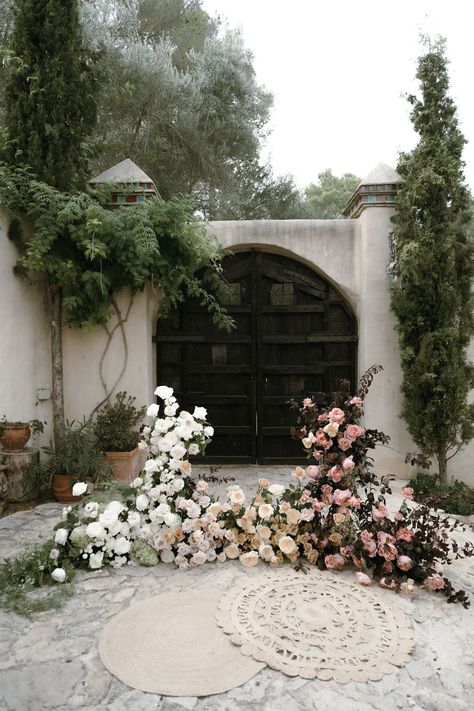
column 50, row 89
column 51, row 110
column 431, row 294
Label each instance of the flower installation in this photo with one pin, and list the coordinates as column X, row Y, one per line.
column 333, row 513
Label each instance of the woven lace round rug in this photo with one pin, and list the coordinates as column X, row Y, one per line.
column 316, row 625
column 171, row 645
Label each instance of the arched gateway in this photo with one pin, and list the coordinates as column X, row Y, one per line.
column 295, row 336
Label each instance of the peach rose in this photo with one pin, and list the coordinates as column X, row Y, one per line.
column 263, row 483
column 408, row 492
column 249, row 559
column 404, row 534
column 293, row 516
column 287, row 545
column 299, row 472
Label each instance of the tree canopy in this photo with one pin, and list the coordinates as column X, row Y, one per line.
column 432, row 294
column 326, row 199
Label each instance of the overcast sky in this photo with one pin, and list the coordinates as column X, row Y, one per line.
column 338, row 71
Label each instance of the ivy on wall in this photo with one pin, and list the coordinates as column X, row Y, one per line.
column 92, row 252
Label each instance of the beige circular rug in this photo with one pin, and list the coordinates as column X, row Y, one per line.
column 317, row 625
column 171, row 645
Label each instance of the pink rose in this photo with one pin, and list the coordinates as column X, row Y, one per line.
column 318, row 505
column 357, row 401
column 334, row 562
column 366, row 536
column 342, row 497
column 379, row 512
column 313, row 472
column 354, row 431
column 344, row 444
column 354, row 503
column 363, row 578
column 305, row 496
column 388, row 585
column 346, row 551
column 317, row 454
column 404, row 534
column 404, row 562
column 348, row 463
column 322, row 417
column 371, row 548
column 336, row 474
column 407, row 492
column 307, row 402
column 336, row 415
column 434, row 582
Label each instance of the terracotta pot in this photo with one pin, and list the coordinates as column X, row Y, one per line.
column 62, row 488
column 126, row 465
column 15, row 437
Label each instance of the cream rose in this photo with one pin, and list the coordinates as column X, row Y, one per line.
column 287, row 545
column 249, row 559
column 293, row 516
column 265, row 511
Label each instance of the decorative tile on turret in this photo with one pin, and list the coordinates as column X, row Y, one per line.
column 378, row 189
column 131, row 184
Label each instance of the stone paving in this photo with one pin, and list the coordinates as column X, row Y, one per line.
column 52, row 662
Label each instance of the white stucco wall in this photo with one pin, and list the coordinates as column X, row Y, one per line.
column 24, row 340
column 352, row 254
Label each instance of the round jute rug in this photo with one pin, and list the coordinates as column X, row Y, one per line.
column 317, row 625
column 171, row 645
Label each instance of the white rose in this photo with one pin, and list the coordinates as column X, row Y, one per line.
column 91, row 509
column 178, row 484
column 171, row 410
column 115, row 506
column 133, row 519
column 108, row 518
column 293, row 516
column 287, row 545
column 59, row 575
column 164, row 392
column 79, row 488
column 265, row 511
column 193, row 449
column 232, row 551
column 153, row 410
column 307, row 515
column 121, row 545
column 200, row 413
column 204, row 501
column 95, row 530
column 54, row 554
column 198, row 558
column 178, row 451
column 266, row 552
column 61, row 536
column 167, row 556
column 150, row 466
column 276, row 489
column 249, row 559
column 209, row 431
column 142, row 502
column 171, row 519
column 215, row 508
column 95, row 560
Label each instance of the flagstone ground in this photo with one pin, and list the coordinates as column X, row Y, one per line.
column 51, row 662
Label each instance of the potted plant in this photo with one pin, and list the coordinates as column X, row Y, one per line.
column 79, row 459
column 116, row 429
column 15, row 435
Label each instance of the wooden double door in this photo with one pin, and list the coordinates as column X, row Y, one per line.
column 295, row 336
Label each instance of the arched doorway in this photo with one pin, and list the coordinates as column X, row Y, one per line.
column 295, row 336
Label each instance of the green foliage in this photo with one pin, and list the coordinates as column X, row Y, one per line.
column 115, row 424
column 92, row 252
column 22, row 577
column 80, row 455
column 431, row 296
column 326, row 199
column 455, row 498
column 50, row 92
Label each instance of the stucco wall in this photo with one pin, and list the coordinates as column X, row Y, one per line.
column 24, row 341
